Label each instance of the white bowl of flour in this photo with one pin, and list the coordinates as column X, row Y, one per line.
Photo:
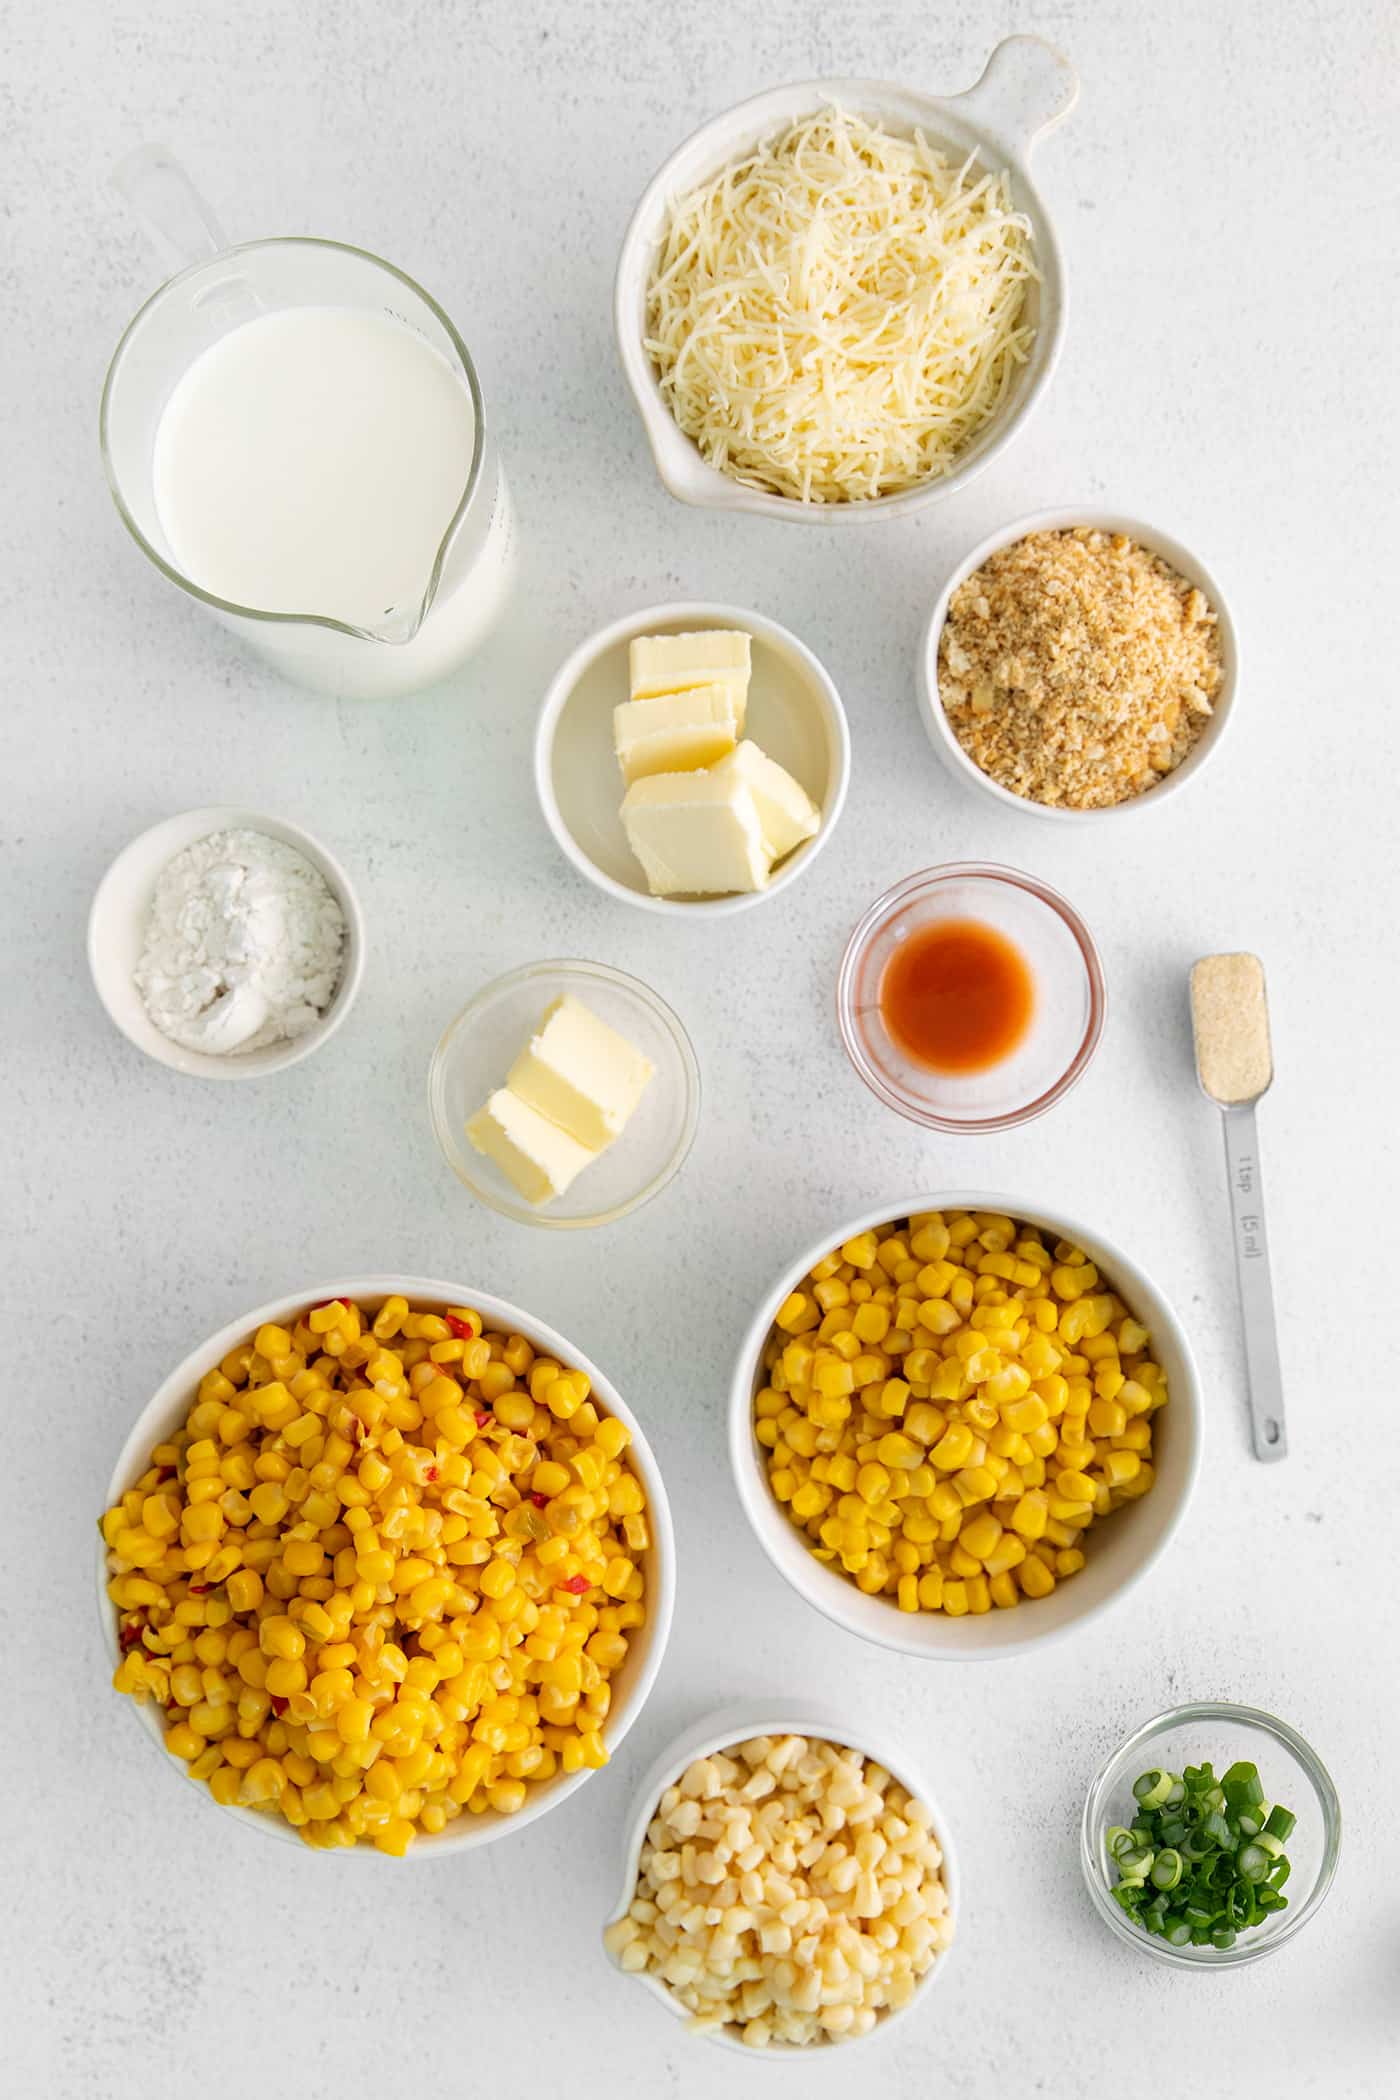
column 226, row 944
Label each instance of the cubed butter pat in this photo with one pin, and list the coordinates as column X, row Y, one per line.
column 673, row 663
column 581, row 1074
column 675, row 732
column 695, row 834
column 537, row 1156
column 786, row 812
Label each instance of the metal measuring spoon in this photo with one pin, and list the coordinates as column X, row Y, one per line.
column 1234, row 1064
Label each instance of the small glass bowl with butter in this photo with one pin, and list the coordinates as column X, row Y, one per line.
column 580, row 1088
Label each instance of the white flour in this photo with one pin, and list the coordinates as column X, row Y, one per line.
column 243, row 947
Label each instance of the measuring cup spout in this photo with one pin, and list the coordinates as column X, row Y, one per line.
column 400, row 627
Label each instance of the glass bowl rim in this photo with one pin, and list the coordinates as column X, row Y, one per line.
column 901, row 893
column 1252, row 1947
column 515, row 1207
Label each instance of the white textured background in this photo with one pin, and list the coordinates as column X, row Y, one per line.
column 1226, row 193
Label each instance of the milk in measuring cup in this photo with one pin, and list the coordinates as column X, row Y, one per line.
column 310, row 461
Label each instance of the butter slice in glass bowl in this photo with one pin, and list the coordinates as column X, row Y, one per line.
column 582, row 1074
column 564, row 1051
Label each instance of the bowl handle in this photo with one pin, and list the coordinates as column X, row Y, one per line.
column 1027, row 87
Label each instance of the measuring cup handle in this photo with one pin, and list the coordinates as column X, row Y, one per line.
column 1027, row 87
column 168, row 208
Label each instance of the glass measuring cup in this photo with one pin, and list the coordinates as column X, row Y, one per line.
column 218, row 287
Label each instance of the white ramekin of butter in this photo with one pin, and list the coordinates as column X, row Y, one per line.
column 799, row 435
column 692, row 758
column 564, row 1094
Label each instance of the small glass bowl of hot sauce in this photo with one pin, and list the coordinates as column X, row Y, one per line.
column 970, row 997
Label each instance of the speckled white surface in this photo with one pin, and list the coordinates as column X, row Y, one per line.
column 1225, row 191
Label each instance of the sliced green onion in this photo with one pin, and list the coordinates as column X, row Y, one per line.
column 1203, row 1859
column 1242, row 1788
column 1152, row 1789
column 1166, row 1870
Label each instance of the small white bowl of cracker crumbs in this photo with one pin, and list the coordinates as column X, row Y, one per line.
column 1107, row 701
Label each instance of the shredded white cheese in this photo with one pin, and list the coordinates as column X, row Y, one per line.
column 837, row 316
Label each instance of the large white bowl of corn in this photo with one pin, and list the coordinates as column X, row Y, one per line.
column 387, row 1565
column 961, row 1428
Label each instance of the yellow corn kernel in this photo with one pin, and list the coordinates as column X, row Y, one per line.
column 281, row 1636
column 980, row 1536
column 872, row 1484
column 497, row 1577
column 871, row 1322
column 953, row 1448
column 796, row 1313
column 1035, row 1578
column 1031, row 1515
column 1008, row 1385
column 832, row 1377
column 1025, row 1414
column 283, row 1678
column 393, row 1837
column 898, row 1451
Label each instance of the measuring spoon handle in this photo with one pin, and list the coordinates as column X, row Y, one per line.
column 1256, row 1290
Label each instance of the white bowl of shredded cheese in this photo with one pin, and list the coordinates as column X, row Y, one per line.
column 310, row 992
column 788, row 379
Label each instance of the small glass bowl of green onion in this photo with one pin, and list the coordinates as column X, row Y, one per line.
column 1211, row 1836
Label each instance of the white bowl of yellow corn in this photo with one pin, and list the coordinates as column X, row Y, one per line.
column 165, row 1412
column 1117, row 1552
